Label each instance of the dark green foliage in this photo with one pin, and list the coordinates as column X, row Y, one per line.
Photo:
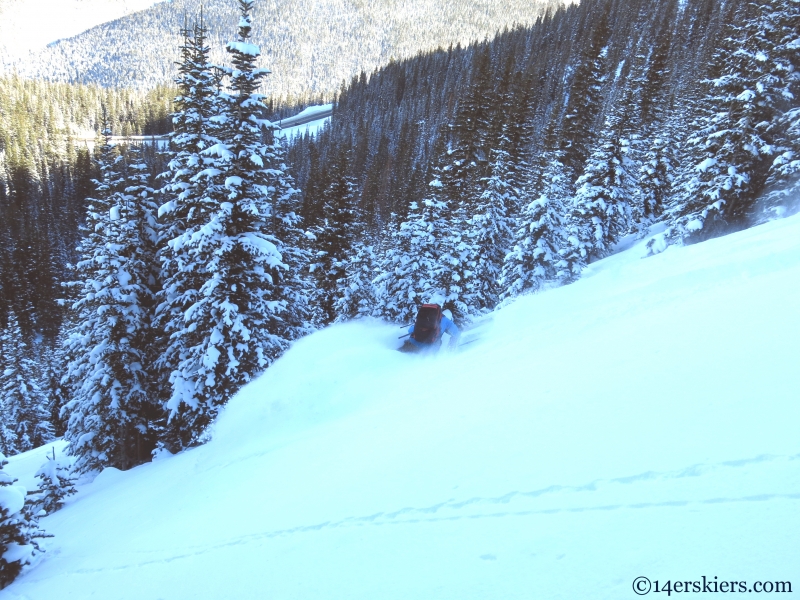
column 336, row 233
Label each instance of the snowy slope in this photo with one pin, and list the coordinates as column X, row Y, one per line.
column 307, row 115
column 311, row 128
column 310, row 121
column 641, row 422
column 27, row 25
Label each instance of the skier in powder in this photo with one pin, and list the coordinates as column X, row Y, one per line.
column 426, row 333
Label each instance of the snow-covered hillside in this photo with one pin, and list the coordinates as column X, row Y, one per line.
column 308, row 121
column 311, row 46
column 639, row 423
column 27, row 25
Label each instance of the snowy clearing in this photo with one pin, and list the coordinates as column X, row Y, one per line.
column 311, row 128
column 641, row 422
column 310, row 120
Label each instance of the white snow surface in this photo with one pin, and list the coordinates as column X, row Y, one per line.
column 314, row 110
column 312, row 128
column 290, row 131
column 27, row 25
column 640, row 422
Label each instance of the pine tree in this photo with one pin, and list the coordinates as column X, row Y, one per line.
column 490, row 230
column 335, row 235
column 231, row 327
column 466, row 158
column 778, row 35
column 25, row 419
column 295, row 285
column 534, row 257
column 656, row 176
column 357, row 293
column 56, row 483
column 193, row 132
column 19, row 529
column 414, row 269
column 108, row 406
column 601, row 211
column 585, row 96
column 783, row 183
column 736, row 136
column 186, row 209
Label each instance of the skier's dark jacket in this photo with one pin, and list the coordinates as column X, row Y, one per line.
column 445, row 326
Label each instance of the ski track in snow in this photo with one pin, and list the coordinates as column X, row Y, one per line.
column 521, row 504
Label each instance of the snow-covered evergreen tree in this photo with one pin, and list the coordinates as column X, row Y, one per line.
column 108, row 344
column 781, row 44
column 231, row 327
column 601, row 210
column 193, row 132
column 753, row 81
column 490, row 231
column 56, row 483
column 19, row 528
column 415, row 268
column 534, row 257
column 335, row 234
column 294, row 285
column 186, row 208
column 585, row 95
column 464, row 160
column 656, row 176
column 24, row 413
column 783, row 184
column 357, row 293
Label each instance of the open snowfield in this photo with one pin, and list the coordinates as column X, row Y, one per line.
column 641, row 422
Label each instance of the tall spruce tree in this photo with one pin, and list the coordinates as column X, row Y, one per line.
column 601, row 211
column 336, row 233
column 107, row 346
column 781, row 47
column 232, row 329
column 357, row 295
column 294, row 285
column 24, row 409
column 534, row 257
column 415, row 268
column 186, row 208
column 490, row 231
column 585, row 95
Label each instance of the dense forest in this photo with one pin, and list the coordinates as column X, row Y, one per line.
column 141, row 288
column 504, row 167
column 46, row 172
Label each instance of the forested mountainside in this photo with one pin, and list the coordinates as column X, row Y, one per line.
column 46, row 172
column 501, row 167
column 27, row 25
column 311, row 46
column 650, row 86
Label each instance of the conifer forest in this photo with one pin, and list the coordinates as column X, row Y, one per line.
column 142, row 285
